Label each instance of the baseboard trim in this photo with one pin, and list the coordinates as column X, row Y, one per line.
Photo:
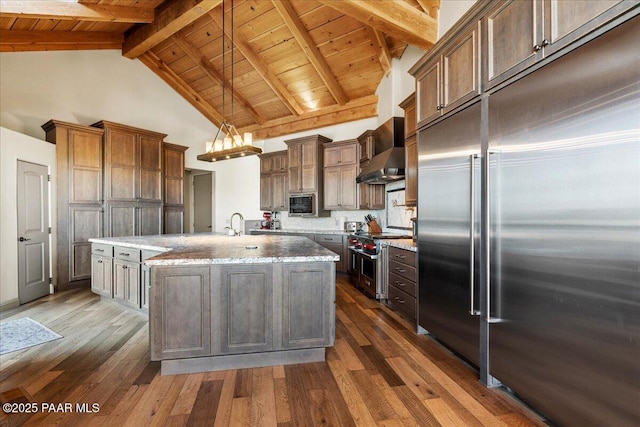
column 5, row 306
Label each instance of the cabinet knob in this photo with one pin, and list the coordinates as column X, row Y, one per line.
column 545, row 42
column 537, row 47
column 99, row 261
column 438, row 108
column 400, row 270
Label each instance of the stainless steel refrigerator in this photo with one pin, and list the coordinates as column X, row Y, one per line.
column 560, row 234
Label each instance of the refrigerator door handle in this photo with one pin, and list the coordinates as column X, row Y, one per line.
column 487, row 174
column 472, row 235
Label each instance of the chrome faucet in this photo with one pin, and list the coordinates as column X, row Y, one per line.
column 236, row 233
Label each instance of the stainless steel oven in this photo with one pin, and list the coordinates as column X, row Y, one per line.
column 369, row 263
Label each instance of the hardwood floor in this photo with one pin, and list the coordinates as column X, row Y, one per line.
column 379, row 373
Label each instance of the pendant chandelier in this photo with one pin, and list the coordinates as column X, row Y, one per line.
column 228, row 143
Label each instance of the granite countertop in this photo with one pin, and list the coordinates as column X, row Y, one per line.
column 206, row 248
column 303, row 231
column 407, row 244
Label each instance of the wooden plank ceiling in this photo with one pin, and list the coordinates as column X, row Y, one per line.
column 297, row 64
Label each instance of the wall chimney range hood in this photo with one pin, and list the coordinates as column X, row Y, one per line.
column 387, row 164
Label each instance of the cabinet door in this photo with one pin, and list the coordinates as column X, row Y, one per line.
column 145, row 283
column 173, row 177
column 279, row 192
column 120, row 219
column 295, row 164
column 85, row 222
column 266, row 164
column 150, row 181
column 120, row 277
column 332, row 156
column 149, row 219
column 266, row 198
column 280, row 163
column 132, row 284
column 121, row 165
column 180, row 305
column 568, row 20
column 246, row 295
column 513, row 29
column 363, row 195
column 377, row 196
column 348, row 188
column 341, row 155
column 428, row 93
column 85, row 167
column 332, row 185
column 309, row 166
column 308, row 312
column 173, row 221
column 411, row 171
column 102, row 275
column 461, row 71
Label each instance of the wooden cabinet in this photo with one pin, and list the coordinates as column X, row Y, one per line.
column 274, row 180
column 180, row 316
column 126, row 275
column 402, row 281
column 79, row 208
column 223, row 310
column 102, row 275
column 370, row 196
column 341, row 167
column 521, row 33
column 308, row 308
column 410, row 151
column 246, row 308
column 450, row 78
column 305, row 157
column 173, row 188
column 133, row 180
column 338, row 244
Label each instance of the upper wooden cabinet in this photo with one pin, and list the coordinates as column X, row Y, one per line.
column 341, row 167
column 410, row 151
column 367, row 145
column 521, row 32
column 79, row 198
column 305, row 163
column 450, row 78
column 133, row 163
column 274, row 180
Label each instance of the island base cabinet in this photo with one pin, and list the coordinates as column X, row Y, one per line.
column 246, row 308
column 180, row 315
column 307, row 306
column 207, row 318
column 101, row 275
column 126, row 282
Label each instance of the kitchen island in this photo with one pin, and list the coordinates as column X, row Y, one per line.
column 219, row 302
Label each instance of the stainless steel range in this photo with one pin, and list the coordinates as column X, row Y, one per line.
column 367, row 262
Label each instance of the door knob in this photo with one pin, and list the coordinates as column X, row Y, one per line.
column 23, row 239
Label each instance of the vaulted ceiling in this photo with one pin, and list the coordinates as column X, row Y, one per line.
column 283, row 66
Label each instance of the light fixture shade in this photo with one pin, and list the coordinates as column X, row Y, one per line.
column 209, row 146
column 227, row 143
column 217, row 145
column 248, row 138
column 237, row 139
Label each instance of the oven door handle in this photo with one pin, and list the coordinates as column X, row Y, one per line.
column 363, row 253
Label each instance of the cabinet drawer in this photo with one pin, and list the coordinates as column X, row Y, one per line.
column 127, row 254
column 101, row 249
column 402, row 255
column 402, row 302
column 402, row 283
column 328, row 238
column 406, row 271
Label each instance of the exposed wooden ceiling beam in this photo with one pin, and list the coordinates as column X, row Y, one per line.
column 25, row 40
column 309, row 48
column 65, row 10
column 395, row 18
column 384, row 55
column 197, row 56
column 172, row 79
column 260, row 66
column 169, row 21
column 430, row 6
column 356, row 109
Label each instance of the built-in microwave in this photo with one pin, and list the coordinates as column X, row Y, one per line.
column 302, row 205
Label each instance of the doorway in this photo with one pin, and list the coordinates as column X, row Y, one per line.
column 33, row 231
column 200, row 207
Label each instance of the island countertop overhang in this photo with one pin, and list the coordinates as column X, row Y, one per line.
column 199, row 249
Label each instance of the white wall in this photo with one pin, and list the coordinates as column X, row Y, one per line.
column 15, row 146
column 86, row 86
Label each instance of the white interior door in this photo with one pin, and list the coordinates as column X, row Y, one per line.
column 33, row 231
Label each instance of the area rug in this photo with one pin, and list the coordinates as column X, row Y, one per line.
column 22, row 333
